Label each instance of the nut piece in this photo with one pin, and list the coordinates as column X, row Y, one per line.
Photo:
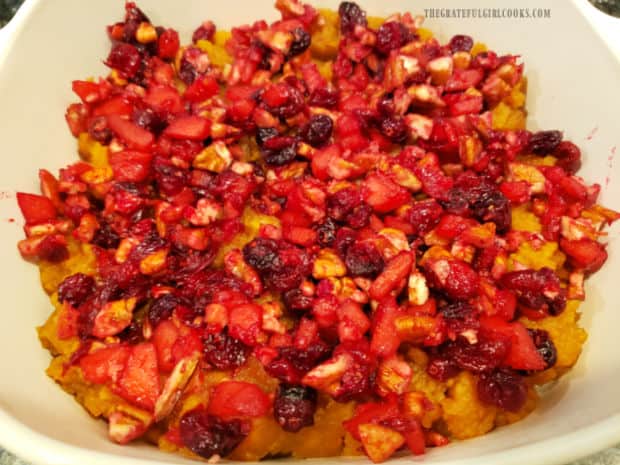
column 235, row 265
column 420, row 126
column 415, row 328
column 124, row 249
column 425, row 93
column 154, row 262
column 326, row 376
column 174, row 386
column 405, row 178
column 114, row 317
column 146, row 33
column 417, row 288
column 530, row 174
column 216, row 157
column 206, row 212
column 328, row 265
column 379, row 442
column 393, row 375
column 397, row 242
column 575, row 286
column 127, row 424
column 278, row 41
column 272, row 311
column 440, row 69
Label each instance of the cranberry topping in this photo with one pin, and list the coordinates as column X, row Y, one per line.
column 207, row 435
column 545, row 346
column 503, row 388
column 75, row 289
column 224, row 352
column 294, row 407
column 350, row 16
column 545, row 142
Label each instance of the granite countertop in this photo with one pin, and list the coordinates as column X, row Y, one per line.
column 607, row 457
column 8, row 9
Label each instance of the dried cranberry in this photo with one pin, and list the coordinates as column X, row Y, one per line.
column 281, row 266
column 133, row 17
column 459, row 316
column 569, row 156
column 264, row 52
column 357, row 381
column 323, row 97
column 279, row 150
column 503, row 388
column 442, row 368
column 544, row 346
column 297, row 300
column 263, row 134
column 187, row 71
column 486, row 60
column 318, row 130
column 424, row 215
column 132, row 334
column 105, row 237
column 392, row 35
column 133, row 13
column 536, row 289
column 482, row 356
column 261, row 253
column 456, row 202
column 359, row 217
column 293, row 363
column 493, row 206
column 294, row 407
column 149, row 244
column 460, row 43
column 350, row 16
column 344, row 238
column 305, row 359
column 148, row 119
column 170, row 179
column 301, row 42
column 342, row 202
column 292, row 267
column 75, row 289
column 394, row 128
column 363, row 259
column 161, row 309
column 207, row 435
column 293, row 98
column 98, row 129
column 545, row 142
column 224, row 352
column 204, row 32
column 125, row 58
column 326, row 233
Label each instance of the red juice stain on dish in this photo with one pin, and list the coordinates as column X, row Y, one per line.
column 610, row 164
column 328, row 234
column 591, row 134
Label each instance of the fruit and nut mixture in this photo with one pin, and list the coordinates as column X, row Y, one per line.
column 329, row 235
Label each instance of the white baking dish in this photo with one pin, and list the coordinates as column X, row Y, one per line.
column 573, row 86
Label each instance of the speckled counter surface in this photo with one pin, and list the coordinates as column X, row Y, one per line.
column 608, row 457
